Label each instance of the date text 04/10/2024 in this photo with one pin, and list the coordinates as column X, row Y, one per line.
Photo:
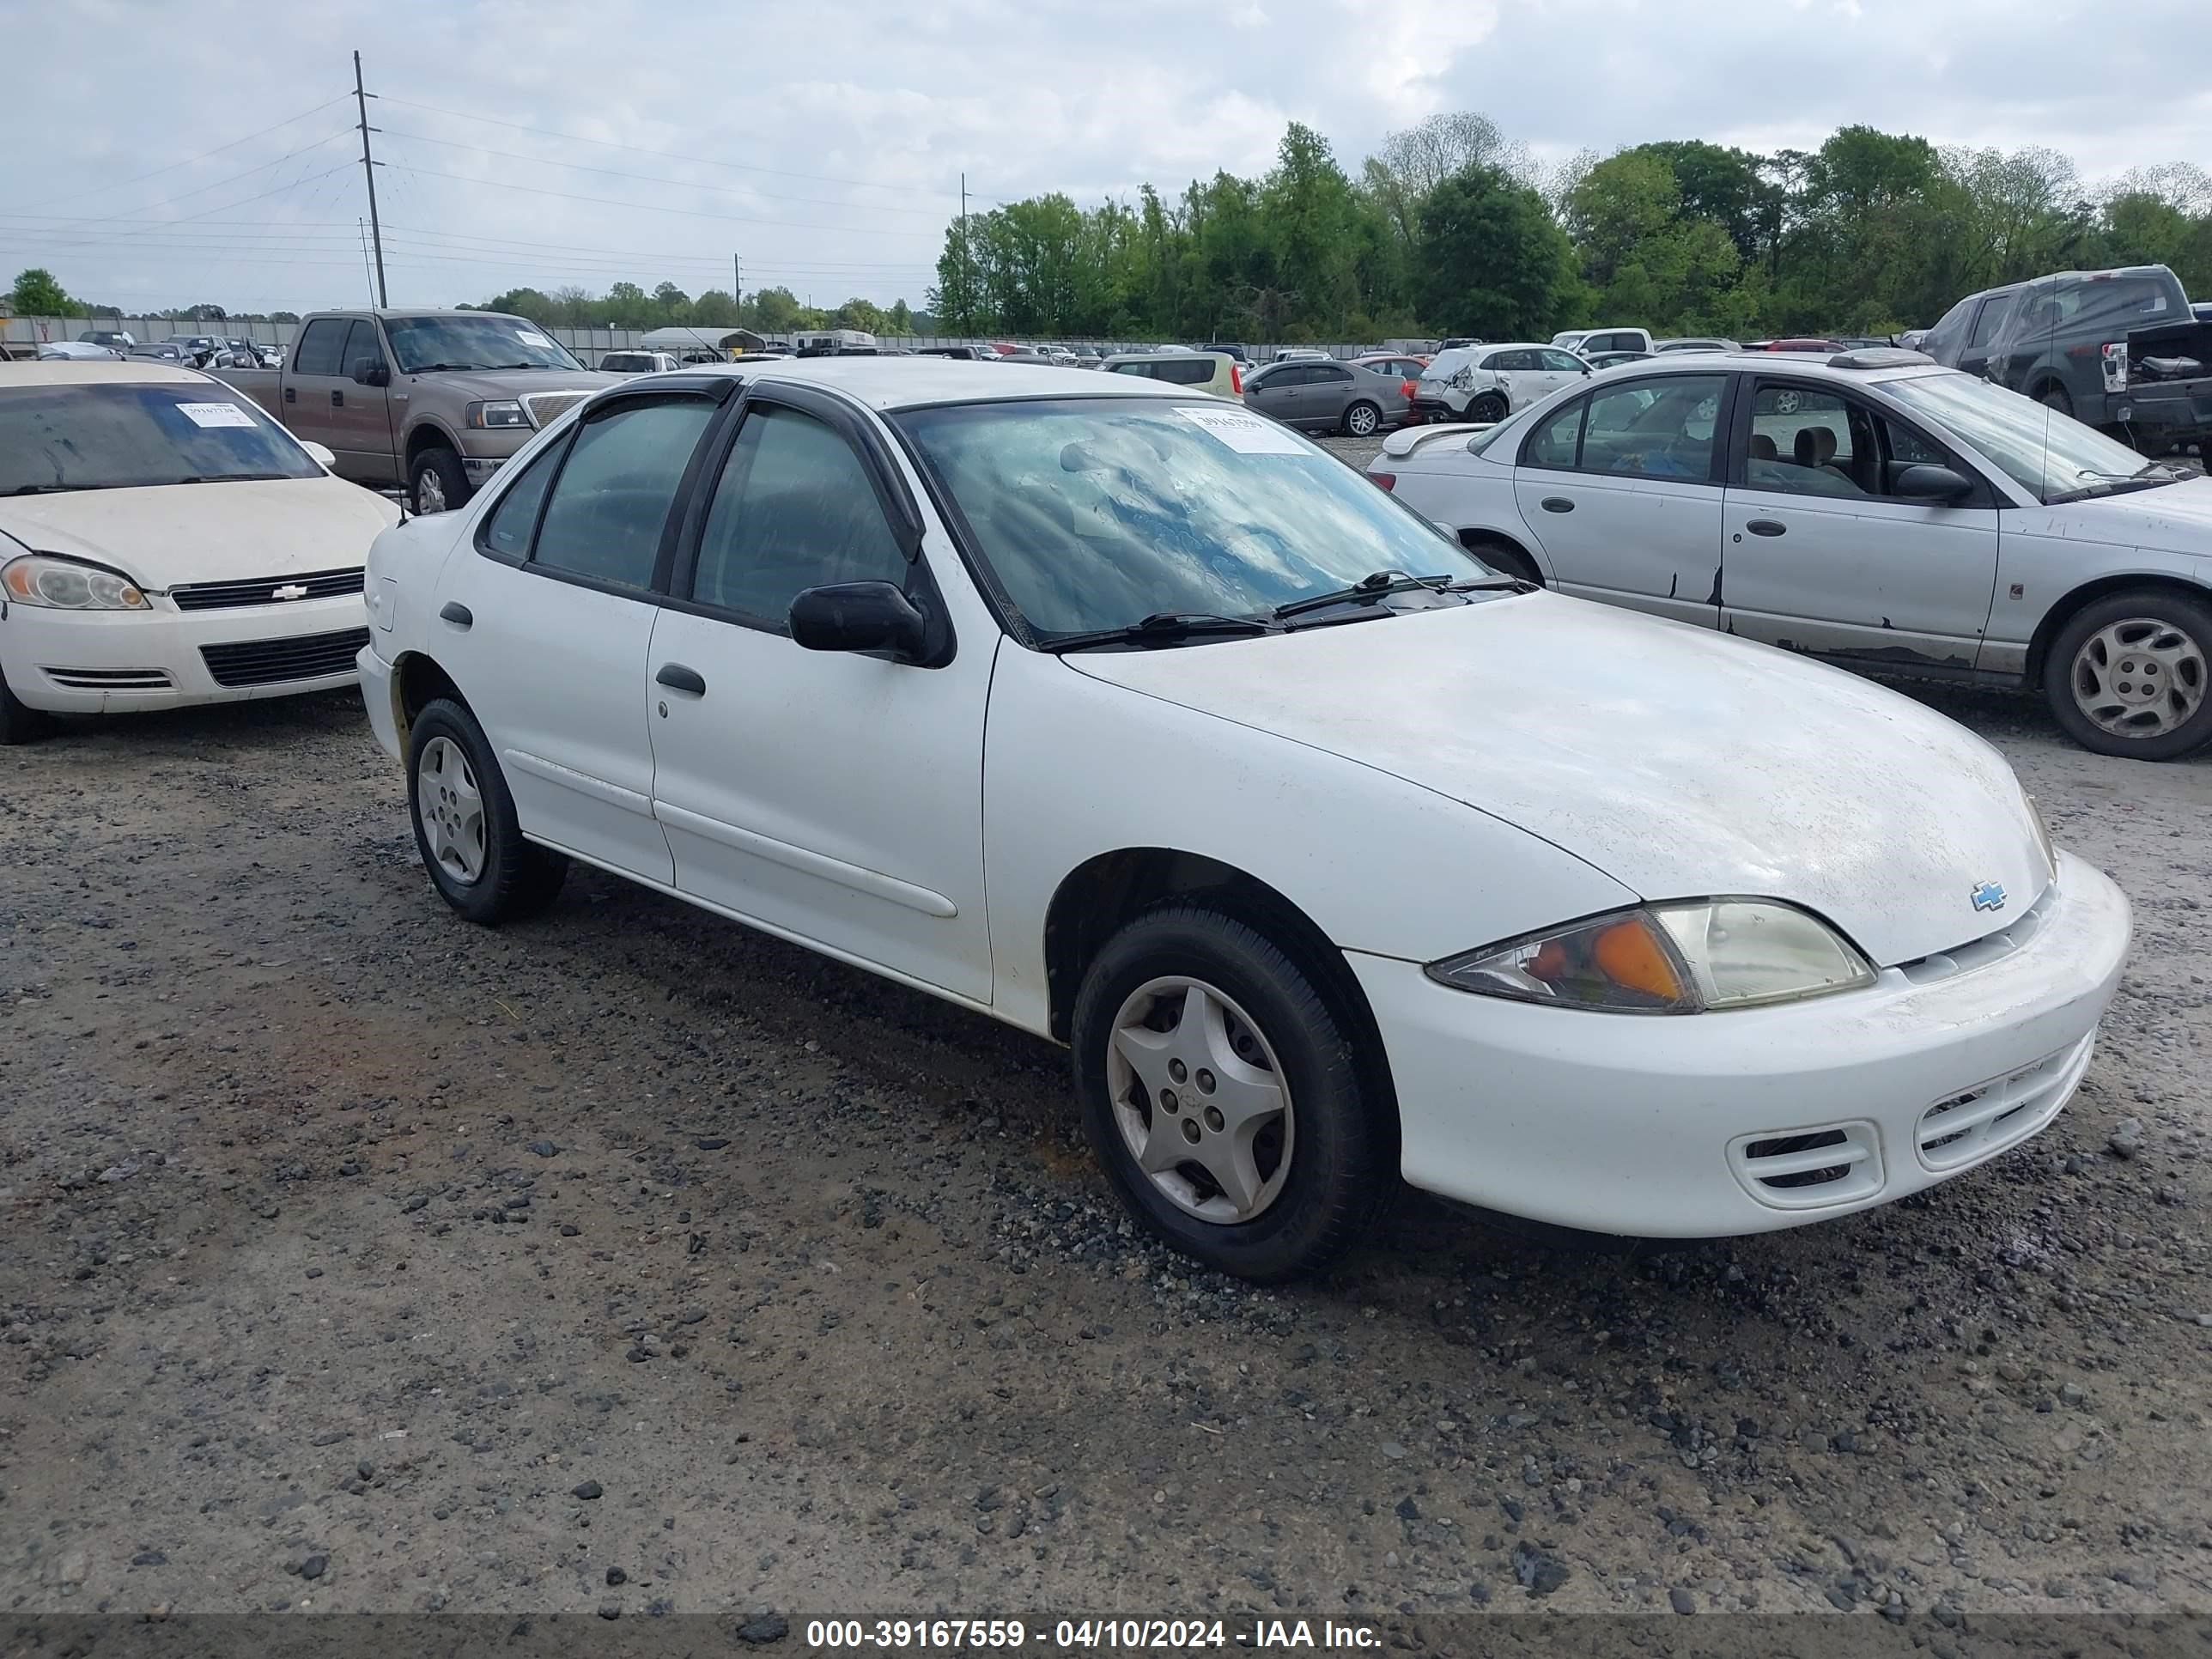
column 1088, row 1635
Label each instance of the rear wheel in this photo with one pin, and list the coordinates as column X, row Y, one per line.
column 2055, row 396
column 465, row 826
column 437, row 483
column 2128, row 674
column 1221, row 1093
column 1490, row 409
column 1361, row 419
column 19, row 722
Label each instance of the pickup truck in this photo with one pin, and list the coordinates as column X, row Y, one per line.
column 434, row 400
column 2158, row 381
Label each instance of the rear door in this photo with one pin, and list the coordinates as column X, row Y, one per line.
column 1328, row 392
column 1823, row 556
column 1622, row 489
column 314, row 379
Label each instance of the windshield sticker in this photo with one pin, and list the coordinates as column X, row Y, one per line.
column 215, row 414
column 535, row 341
column 1243, row 431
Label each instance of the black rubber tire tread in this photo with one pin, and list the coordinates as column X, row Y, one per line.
column 1342, row 1167
column 1489, row 407
column 452, row 476
column 2193, row 614
column 520, row 879
column 1502, row 556
column 19, row 723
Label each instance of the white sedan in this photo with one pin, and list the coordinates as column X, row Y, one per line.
column 1144, row 725
column 1869, row 508
column 163, row 542
column 1488, row 382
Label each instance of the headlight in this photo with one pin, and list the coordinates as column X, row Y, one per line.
column 1686, row 958
column 497, row 414
column 2043, row 834
column 58, row 584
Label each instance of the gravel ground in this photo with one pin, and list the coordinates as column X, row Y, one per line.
column 352, row 1257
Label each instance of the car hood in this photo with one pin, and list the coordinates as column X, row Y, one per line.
column 2173, row 519
column 211, row 532
column 1681, row 762
column 495, row 385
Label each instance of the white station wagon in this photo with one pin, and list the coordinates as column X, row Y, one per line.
column 1143, row 724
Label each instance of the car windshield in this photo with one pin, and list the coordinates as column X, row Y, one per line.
column 128, row 437
column 2051, row 456
column 425, row 343
column 1098, row 513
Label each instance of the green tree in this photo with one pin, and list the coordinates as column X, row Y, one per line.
column 715, row 308
column 1492, row 260
column 777, row 310
column 858, row 314
column 37, row 294
column 899, row 318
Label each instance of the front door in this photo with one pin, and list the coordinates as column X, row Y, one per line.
column 1621, row 490
column 831, row 797
column 1822, row 556
column 360, row 417
column 1282, row 394
column 561, row 577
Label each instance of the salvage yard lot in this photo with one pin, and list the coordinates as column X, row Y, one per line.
column 356, row 1258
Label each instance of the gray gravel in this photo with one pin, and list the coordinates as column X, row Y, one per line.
column 627, row 1261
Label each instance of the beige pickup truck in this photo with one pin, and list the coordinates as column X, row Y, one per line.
column 434, row 400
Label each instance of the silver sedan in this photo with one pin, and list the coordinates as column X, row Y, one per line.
column 1329, row 397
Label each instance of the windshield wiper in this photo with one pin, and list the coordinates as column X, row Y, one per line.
column 1381, row 583
column 2150, row 475
column 440, row 369
column 42, row 489
column 1165, row 627
column 231, row 478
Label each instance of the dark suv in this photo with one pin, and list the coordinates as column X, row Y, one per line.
column 2047, row 337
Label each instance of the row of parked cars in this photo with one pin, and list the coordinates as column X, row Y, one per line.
column 1082, row 701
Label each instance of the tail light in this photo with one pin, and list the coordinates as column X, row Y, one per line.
column 1236, row 380
column 1406, row 390
column 1384, row 480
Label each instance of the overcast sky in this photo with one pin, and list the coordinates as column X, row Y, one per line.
column 823, row 143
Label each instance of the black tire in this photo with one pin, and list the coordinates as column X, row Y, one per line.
column 1340, row 1168
column 2055, row 396
column 518, row 879
column 1505, row 559
column 2182, row 613
column 1362, row 419
column 1489, row 407
column 438, row 469
column 19, row 722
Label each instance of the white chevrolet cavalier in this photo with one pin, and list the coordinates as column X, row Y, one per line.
column 1143, row 724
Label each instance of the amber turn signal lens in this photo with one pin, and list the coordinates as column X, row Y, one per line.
column 1629, row 955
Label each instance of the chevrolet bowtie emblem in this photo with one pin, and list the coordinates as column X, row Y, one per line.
column 289, row 591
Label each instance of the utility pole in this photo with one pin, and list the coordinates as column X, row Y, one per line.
column 967, row 298
column 369, row 170
column 738, row 285
column 368, row 281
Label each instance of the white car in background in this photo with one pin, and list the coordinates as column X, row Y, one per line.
column 1486, row 383
column 163, row 542
column 1869, row 507
column 1124, row 687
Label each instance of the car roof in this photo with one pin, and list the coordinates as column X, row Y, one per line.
column 82, row 371
column 892, row 383
column 1774, row 363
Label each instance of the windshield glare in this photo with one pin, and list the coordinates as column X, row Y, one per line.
column 2051, row 456
column 126, row 437
column 1098, row 513
column 488, row 341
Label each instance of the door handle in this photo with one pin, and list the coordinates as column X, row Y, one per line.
column 1557, row 504
column 677, row 677
column 1767, row 527
column 338, row 398
column 291, row 394
column 456, row 613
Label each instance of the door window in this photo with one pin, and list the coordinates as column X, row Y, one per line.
column 609, row 507
column 1194, row 370
column 1657, row 428
column 1806, row 440
column 507, row 528
column 1559, row 362
column 793, row 510
column 321, row 347
column 1320, row 375
column 1555, row 443
column 1986, row 322
column 363, row 346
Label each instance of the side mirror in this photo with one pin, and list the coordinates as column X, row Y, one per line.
column 859, row 617
column 367, row 371
column 321, row 454
column 1588, row 370
column 1939, row 484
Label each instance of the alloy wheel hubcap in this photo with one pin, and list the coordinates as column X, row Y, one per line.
column 430, row 493
column 2140, row 677
column 1363, row 421
column 451, row 808
column 1200, row 1099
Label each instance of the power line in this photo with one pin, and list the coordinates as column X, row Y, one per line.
column 202, row 190
column 648, row 206
column 670, row 155
column 191, row 160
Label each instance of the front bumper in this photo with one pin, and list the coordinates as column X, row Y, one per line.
column 376, row 695
column 1702, row 1125
column 100, row 662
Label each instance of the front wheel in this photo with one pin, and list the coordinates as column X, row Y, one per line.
column 465, row 826
column 438, row 482
column 19, row 722
column 2128, row 674
column 1488, row 410
column 1361, row 419
column 1221, row 1092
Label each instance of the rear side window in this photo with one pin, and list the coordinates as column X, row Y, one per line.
column 1181, row 371
column 1320, row 375
column 1144, row 369
column 605, row 518
column 1654, row 428
column 321, row 347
